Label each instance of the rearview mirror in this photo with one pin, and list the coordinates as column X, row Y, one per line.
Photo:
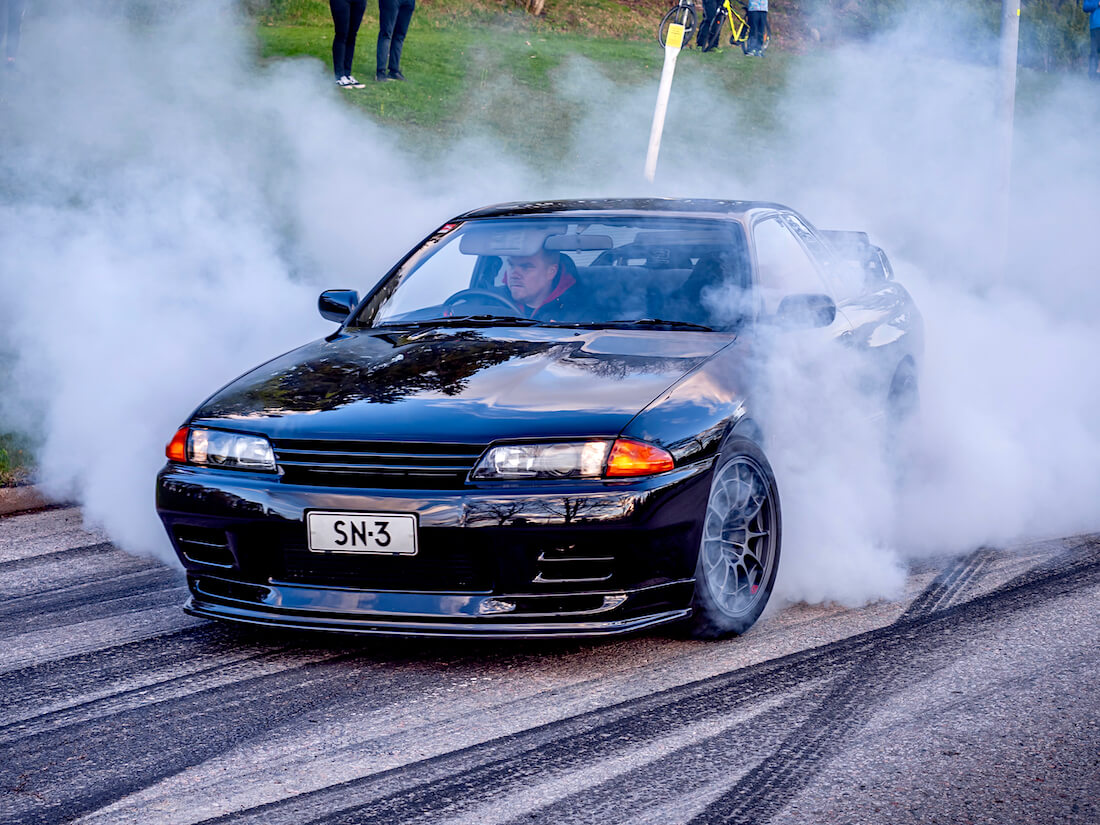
column 806, row 311
column 337, row 304
column 578, row 242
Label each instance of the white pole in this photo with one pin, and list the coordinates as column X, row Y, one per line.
column 1006, row 109
column 673, row 42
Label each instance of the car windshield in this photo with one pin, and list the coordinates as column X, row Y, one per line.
column 598, row 271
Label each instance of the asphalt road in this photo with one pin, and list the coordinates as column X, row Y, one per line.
column 973, row 699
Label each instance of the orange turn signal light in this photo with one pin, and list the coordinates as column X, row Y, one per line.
column 177, row 447
column 636, row 458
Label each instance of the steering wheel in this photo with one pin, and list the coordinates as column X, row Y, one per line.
column 496, row 297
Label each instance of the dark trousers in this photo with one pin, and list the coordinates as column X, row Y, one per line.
column 1094, row 54
column 11, row 18
column 393, row 25
column 346, row 16
column 758, row 24
column 710, row 19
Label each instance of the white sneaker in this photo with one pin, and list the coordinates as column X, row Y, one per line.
column 355, row 84
column 344, row 82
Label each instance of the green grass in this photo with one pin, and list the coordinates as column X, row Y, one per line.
column 607, row 18
column 500, row 81
column 15, row 459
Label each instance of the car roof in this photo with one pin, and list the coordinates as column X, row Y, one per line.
column 696, row 207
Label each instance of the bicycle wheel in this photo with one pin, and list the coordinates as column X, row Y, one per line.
column 685, row 16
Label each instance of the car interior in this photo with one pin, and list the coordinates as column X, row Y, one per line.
column 699, row 277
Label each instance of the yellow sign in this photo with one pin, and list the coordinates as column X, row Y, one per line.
column 675, row 37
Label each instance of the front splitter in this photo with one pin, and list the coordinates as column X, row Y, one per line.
column 373, row 626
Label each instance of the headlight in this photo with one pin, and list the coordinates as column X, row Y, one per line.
column 578, row 459
column 621, row 458
column 215, row 448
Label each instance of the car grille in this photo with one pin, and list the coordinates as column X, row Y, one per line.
column 383, row 464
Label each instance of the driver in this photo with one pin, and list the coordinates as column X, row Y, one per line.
column 539, row 283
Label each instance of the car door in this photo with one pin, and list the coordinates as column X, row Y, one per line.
column 885, row 325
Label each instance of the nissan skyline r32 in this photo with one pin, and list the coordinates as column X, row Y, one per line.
column 465, row 457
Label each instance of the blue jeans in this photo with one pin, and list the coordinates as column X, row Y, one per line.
column 758, row 24
column 393, row 24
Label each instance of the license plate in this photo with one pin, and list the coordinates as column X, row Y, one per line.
column 391, row 534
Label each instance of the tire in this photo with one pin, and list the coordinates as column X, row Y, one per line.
column 903, row 398
column 685, row 16
column 902, row 404
column 739, row 547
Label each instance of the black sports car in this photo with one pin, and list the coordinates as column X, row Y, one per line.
column 542, row 422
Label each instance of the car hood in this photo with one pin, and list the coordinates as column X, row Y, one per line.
column 460, row 385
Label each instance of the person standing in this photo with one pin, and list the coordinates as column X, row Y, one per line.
column 393, row 24
column 758, row 26
column 11, row 18
column 1092, row 9
column 346, row 17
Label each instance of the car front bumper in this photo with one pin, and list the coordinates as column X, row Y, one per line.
column 553, row 560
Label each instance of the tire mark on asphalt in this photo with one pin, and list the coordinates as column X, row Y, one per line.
column 63, row 774
column 458, row 780
column 684, row 772
column 74, row 680
column 414, row 792
column 769, row 787
column 738, row 746
column 102, row 548
column 951, row 582
column 156, row 692
column 57, row 577
column 122, row 593
column 22, row 536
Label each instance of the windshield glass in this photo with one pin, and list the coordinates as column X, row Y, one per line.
column 603, row 270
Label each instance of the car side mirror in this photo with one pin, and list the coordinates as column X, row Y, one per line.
column 337, row 304
column 806, row 311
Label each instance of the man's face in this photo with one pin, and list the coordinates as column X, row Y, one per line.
column 529, row 278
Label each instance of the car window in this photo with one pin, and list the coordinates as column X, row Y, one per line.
column 783, row 266
column 445, row 266
column 605, row 269
column 809, row 240
column 843, row 279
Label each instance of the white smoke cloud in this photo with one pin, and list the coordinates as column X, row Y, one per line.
column 167, row 219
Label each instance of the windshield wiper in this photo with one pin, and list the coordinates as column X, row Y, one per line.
column 655, row 322
column 465, row 321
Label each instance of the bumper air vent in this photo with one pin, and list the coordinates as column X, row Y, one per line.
column 574, row 565
column 204, row 545
column 377, row 464
column 231, row 590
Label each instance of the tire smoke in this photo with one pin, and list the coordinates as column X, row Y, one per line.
column 167, row 216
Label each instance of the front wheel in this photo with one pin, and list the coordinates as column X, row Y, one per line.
column 682, row 15
column 739, row 551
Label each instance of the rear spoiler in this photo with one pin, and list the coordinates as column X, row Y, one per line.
column 856, row 248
